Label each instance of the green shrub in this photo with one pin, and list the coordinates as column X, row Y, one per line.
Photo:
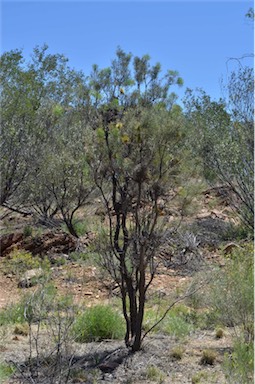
column 178, row 322
column 18, row 313
column 6, row 371
column 155, row 374
column 27, row 231
column 201, row 375
column 20, row 261
column 219, row 333
column 177, row 353
column 14, row 313
column 208, row 357
column 98, row 323
column 232, row 295
column 88, row 258
column 81, row 228
column 227, row 299
column 238, row 366
column 176, row 326
column 236, row 232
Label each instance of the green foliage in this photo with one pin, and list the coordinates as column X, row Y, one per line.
column 6, row 371
column 98, row 323
column 232, row 295
column 179, row 322
column 221, row 135
column 239, row 365
column 20, row 261
column 81, row 227
column 27, row 231
column 155, row 374
column 201, row 376
column 208, row 357
column 236, row 232
column 87, row 258
column 177, row 353
column 227, row 299
column 219, row 333
column 18, row 313
column 13, row 313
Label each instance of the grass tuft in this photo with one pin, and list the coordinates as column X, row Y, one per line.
column 98, row 323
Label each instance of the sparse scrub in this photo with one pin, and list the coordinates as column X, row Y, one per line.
column 81, row 227
column 232, row 292
column 20, row 261
column 236, row 232
column 88, row 257
column 53, row 316
column 227, row 299
column 155, row 374
column 98, row 323
column 238, row 366
column 178, row 322
column 199, row 376
column 13, row 313
column 176, row 326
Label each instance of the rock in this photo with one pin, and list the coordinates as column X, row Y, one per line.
column 30, row 278
column 9, row 240
column 55, row 242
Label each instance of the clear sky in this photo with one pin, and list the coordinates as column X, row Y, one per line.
column 195, row 38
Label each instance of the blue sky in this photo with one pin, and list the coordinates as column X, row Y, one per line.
column 194, row 37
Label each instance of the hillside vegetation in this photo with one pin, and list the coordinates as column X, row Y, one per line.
column 127, row 224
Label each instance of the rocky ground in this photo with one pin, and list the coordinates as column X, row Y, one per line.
column 109, row 361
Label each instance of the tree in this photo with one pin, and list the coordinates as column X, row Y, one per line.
column 42, row 142
column 135, row 162
column 222, row 135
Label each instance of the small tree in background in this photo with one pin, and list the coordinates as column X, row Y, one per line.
column 221, row 133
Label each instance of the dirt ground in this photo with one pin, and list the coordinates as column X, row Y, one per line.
column 154, row 363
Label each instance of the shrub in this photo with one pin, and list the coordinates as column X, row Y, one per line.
column 202, row 375
column 98, row 323
column 81, row 227
column 228, row 297
column 236, row 232
column 14, row 313
column 177, row 353
column 21, row 329
column 20, row 261
column 208, row 357
column 232, row 293
column 176, row 326
column 179, row 321
column 219, row 333
column 155, row 374
column 238, row 366
column 27, row 231
column 6, row 371
column 17, row 313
